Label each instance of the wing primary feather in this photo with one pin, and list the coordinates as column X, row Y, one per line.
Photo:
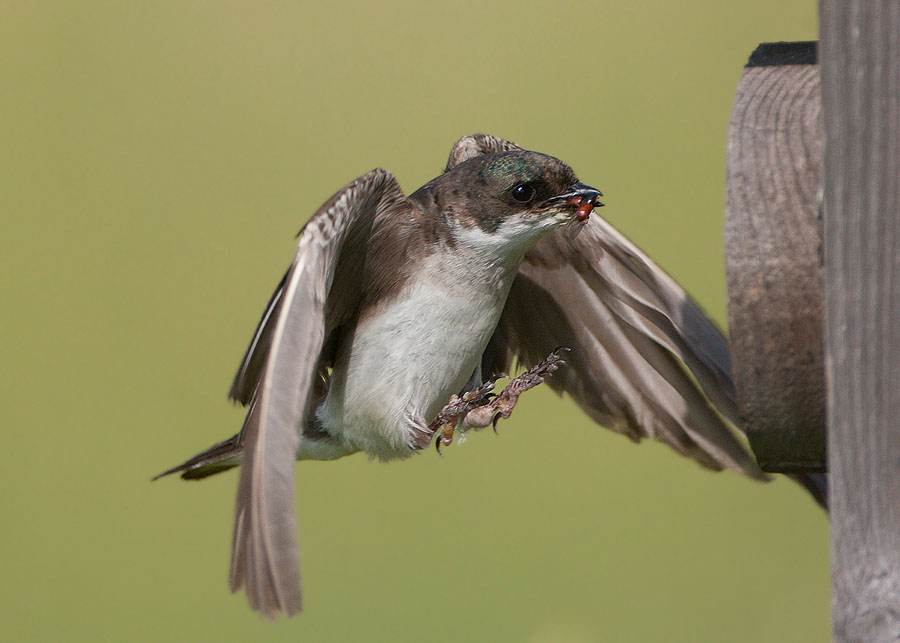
column 633, row 368
column 468, row 147
column 250, row 370
column 265, row 558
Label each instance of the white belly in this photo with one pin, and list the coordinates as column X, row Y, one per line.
column 406, row 360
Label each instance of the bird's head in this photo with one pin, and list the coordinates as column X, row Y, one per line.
column 508, row 200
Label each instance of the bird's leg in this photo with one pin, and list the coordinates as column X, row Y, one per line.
column 502, row 405
column 479, row 408
column 457, row 408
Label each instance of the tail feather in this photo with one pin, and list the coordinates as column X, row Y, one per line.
column 219, row 457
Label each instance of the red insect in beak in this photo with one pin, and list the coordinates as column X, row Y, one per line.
column 584, row 207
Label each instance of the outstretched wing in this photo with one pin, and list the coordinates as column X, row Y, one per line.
column 645, row 359
column 280, row 382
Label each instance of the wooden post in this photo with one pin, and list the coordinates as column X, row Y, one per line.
column 860, row 66
column 773, row 256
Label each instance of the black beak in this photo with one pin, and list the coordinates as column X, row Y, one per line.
column 580, row 193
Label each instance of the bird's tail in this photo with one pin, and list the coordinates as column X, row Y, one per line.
column 217, row 458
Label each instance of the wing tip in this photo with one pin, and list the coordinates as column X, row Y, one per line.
column 472, row 145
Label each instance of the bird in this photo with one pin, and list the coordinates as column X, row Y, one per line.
column 399, row 314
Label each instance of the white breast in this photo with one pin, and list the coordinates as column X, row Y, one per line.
column 406, row 359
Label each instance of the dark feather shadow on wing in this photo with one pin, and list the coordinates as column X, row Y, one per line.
column 250, row 371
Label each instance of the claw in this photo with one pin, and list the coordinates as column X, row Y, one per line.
column 479, row 407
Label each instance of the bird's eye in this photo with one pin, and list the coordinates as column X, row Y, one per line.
column 523, row 193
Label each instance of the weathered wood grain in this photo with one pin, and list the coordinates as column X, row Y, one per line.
column 773, row 251
column 860, row 56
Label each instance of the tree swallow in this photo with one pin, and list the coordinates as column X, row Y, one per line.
column 398, row 314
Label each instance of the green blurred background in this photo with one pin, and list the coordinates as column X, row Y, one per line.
column 160, row 158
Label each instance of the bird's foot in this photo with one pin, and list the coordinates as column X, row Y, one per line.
column 501, row 406
column 479, row 408
column 457, row 408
